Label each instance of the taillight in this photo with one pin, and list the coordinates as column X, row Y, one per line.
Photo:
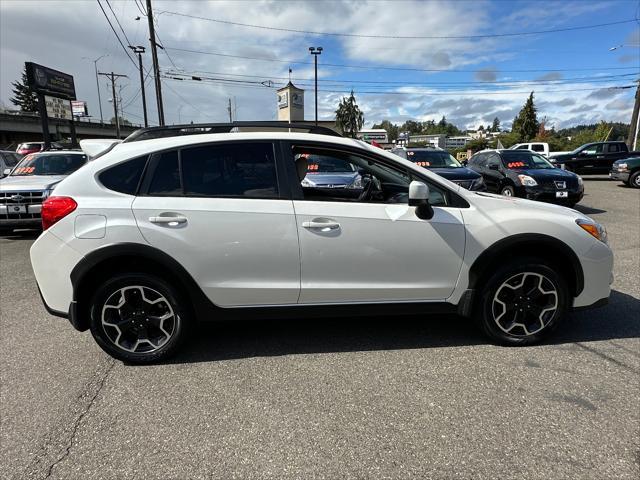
column 55, row 209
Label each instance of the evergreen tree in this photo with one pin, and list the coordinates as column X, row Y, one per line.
column 349, row 117
column 495, row 126
column 23, row 95
column 526, row 123
column 443, row 122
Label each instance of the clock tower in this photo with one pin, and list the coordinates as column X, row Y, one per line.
column 290, row 103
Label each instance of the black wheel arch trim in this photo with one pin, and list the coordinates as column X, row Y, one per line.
column 545, row 244
column 85, row 267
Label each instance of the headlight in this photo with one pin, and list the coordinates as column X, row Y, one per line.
column 356, row 184
column 307, row 183
column 622, row 167
column 594, row 229
column 580, row 181
column 527, row 181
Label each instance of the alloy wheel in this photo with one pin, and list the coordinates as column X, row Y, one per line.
column 524, row 304
column 507, row 192
column 636, row 181
column 138, row 319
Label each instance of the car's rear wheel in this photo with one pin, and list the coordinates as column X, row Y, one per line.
column 138, row 318
column 508, row 191
column 522, row 302
column 634, row 179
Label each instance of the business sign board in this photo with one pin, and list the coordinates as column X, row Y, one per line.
column 79, row 108
column 58, row 108
column 48, row 81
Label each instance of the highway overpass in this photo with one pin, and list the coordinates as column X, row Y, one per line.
column 17, row 128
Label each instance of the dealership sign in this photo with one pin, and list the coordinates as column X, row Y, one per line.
column 79, row 108
column 58, row 108
column 47, row 81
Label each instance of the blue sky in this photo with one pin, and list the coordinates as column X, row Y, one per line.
column 477, row 78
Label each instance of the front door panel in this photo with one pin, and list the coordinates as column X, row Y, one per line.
column 366, row 252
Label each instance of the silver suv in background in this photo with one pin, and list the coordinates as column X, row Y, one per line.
column 30, row 182
column 8, row 160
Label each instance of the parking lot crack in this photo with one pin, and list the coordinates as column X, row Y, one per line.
column 59, row 443
column 93, row 396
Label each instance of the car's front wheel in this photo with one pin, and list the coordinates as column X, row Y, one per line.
column 508, row 191
column 138, row 318
column 634, row 179
column 522, row 302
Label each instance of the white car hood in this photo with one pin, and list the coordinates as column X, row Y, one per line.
column 29, row 182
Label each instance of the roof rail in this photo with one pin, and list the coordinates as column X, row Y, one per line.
column 204, row 128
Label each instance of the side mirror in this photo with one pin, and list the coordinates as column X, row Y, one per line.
column 494, row 166
column 6, row 172
column 419, row 198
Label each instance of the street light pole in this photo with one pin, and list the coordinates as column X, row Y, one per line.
column 315, row 51
column 95, row 67
column 140, row 50
column 634, row 125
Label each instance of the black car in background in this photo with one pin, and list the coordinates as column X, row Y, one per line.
column 442, row 163
column 522, row 173
column 597, row 157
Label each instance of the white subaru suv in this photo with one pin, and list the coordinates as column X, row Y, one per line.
column 177, row 225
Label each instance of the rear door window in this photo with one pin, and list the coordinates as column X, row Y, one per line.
column 164, row 171
column 230, row 170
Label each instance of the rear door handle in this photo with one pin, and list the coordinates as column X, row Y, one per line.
column 168, row 220
column 322, row 226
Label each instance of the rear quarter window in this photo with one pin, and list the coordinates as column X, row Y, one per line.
column 124, row 177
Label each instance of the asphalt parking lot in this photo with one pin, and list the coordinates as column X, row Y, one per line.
column 337, row 398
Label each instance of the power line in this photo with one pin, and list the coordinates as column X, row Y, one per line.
column 403, row 37
column 118, row 22
column 116, row 34
column 185, row 100
column 590, row 79
column 369, row 67
column 416, row 92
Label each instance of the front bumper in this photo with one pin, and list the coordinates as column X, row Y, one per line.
column 622, row 176
column 542, row 194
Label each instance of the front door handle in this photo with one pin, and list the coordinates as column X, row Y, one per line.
column 171, row 221
column 322, row 226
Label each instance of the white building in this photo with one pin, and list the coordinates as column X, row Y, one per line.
column 457, row 142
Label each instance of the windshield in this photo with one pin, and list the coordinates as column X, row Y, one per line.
column 323, row 164
column 523, row 160
column 49, row 164
column 432, row 159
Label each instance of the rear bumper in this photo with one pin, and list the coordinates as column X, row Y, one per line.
column 20, row 222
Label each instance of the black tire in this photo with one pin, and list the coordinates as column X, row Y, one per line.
column 634, row 179
column 531, row 310
column 508, row 191
column 152, row 343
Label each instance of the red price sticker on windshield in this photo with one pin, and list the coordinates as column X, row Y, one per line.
column 423, row 164
column 515, row 164
column 313, row 166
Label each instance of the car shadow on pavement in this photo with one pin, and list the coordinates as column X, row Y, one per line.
column 589, row 210
column 21, row 235
column 259, row 338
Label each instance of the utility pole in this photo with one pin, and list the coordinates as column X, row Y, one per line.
column 113, row 77
column 156, row 69
column 140, row 50
column 632, row 142
column 229, row 110
column 315, row 51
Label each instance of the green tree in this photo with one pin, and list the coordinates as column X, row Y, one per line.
column 23, row 95
column 391, row 128
column 526, row 123
column 411, row 126
column 495, row 126
column 349, row 117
